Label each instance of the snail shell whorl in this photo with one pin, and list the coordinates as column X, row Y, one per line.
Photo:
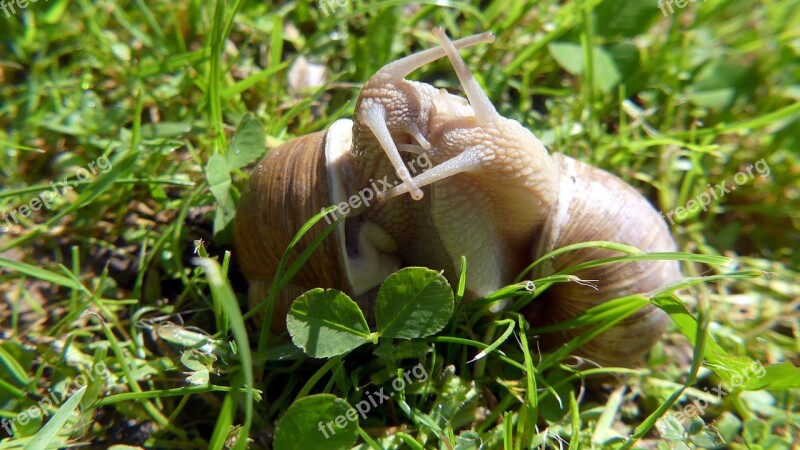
column 283, row 193
column 596, row 205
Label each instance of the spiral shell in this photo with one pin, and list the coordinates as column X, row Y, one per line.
column 290, row 185
column 494, row 195
column 596, row 205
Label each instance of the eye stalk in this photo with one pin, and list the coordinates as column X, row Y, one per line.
column 388, row 91
column 485, row 112
column 485, row 138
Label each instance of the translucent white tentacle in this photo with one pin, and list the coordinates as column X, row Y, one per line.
column 402, row 67
column 485, row 112
column 463, row 162
column 375, row 117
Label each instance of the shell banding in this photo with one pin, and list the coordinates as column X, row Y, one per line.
column 491, row 192
column 290, row 185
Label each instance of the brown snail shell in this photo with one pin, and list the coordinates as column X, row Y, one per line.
column 596, row 205
column 299, row 178
column 290, row 185
column 496, row 196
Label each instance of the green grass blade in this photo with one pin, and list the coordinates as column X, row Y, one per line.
column 47, row 435
column 223, row 293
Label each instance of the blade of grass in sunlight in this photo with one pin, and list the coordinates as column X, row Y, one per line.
column 222, row 292
column 47, row 435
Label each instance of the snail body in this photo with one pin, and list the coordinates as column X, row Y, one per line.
column 300, row 177
column 493, row 194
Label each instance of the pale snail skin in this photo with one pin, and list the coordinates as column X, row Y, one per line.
column 494, row 195
column 500, row 169
column 296, row 180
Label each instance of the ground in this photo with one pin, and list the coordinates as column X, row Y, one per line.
column 128, row 132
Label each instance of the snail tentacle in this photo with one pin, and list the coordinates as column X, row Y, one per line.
column 404, row 66
column 463, row 162
column 375, row 118
column 485, row 111
column 413, row 130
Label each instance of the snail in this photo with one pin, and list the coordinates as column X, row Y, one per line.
column 490, row 191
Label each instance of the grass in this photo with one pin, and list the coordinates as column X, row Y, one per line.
column 129, row 110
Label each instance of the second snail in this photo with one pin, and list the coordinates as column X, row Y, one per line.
column 492, row 193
